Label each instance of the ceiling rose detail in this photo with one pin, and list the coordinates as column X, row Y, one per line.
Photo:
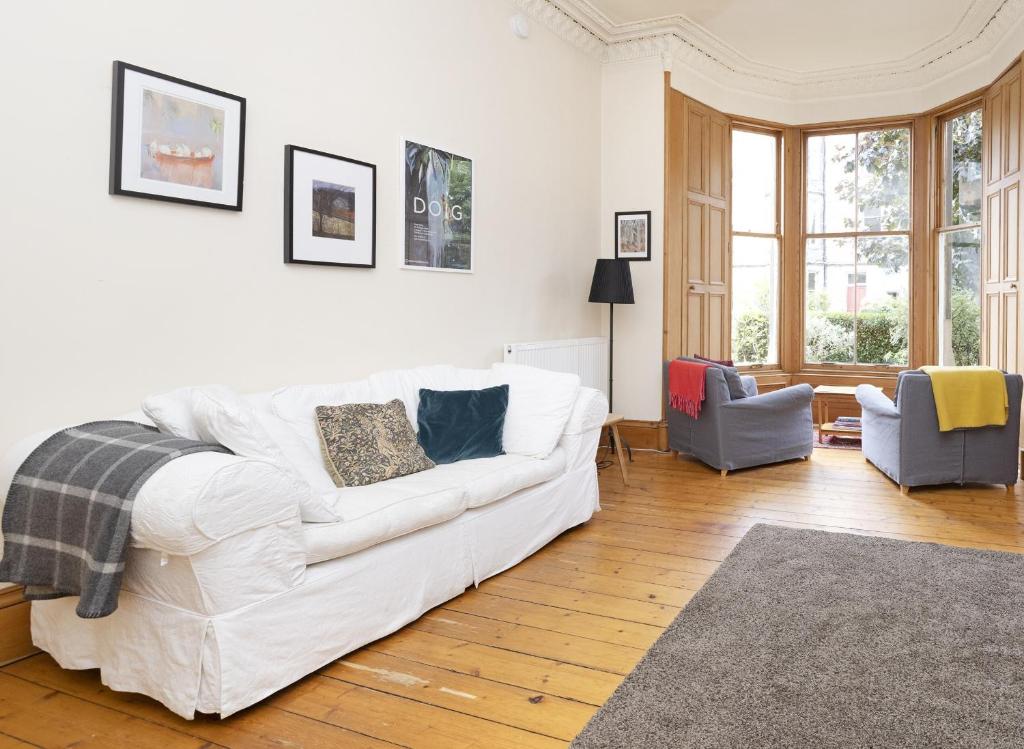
column 690, row 46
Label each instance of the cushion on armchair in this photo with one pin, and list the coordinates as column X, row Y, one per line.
column 732, row 376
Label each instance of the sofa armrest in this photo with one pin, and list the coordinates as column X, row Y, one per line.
column 794, row 397
column 588, row 412
column 198, row 500
column 873, row 401
column 583, row 430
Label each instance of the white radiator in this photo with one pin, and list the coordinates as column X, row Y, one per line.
column 586, row 357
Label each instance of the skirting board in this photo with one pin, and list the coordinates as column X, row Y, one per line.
column 15, row 635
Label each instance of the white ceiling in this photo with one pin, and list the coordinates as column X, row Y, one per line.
column 802, row 61
column 807, row 36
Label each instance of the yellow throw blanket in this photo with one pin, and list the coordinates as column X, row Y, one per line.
column 967, row 397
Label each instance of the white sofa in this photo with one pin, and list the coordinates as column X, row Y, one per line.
column 229, row 596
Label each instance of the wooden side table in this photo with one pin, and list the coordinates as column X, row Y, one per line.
column 822, row 395
column 611, row 423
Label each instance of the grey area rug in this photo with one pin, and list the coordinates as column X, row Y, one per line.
column 814, row 639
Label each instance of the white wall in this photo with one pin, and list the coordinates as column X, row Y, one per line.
column 105, row 299
column 632, row 179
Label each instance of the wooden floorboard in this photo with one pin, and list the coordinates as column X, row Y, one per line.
column 525, row 659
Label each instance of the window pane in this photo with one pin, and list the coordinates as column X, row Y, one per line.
column 961, row 202
column 960, row 297
column 755, row 305
column 753, row 182
column 831, row 167
column 882, row 183
column 831, row 301
column 881, row 300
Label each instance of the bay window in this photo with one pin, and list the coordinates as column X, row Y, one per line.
column 857, row 247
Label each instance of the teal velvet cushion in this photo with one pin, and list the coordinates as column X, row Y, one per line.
column 462, row 424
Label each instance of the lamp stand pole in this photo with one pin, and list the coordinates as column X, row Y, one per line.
column 611, row 350
column 611, row 363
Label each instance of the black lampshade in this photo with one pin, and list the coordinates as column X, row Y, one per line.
column 612, row 282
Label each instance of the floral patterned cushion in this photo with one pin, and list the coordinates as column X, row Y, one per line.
column 363, row 443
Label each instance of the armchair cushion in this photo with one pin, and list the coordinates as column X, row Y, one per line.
column 876, row 402
column 737, row 390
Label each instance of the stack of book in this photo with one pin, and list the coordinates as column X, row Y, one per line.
column 847, row 423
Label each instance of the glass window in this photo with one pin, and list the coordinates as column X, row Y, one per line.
column 830, row 205
column 961, row 193
column 883, row 180
column 755, row 283
column 960, row 297
column 755, row 247
column 959, row 241
column 858, row 277
column 754, row 180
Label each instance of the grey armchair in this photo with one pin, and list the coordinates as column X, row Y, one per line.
column 903, row 440
column 740, row 433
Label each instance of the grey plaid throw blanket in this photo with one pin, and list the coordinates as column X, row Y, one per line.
column 67, row 519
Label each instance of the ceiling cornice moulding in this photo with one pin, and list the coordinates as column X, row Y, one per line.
column 687, row 45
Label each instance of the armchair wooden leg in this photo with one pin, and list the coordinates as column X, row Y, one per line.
column 1009, row 488
column 675, row 453
column 904, row 489
column 725, row 472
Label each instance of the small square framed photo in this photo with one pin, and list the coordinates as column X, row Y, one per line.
column 330, row 209
column 633, row 235
column 175, row 140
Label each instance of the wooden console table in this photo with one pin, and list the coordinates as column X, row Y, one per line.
column 825, row 394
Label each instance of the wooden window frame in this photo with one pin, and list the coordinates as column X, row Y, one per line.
column 809, row 368
column 940, row 228
column 779, row 135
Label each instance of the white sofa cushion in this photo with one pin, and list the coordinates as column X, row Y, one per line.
column 296, row 404
column 172, row 413
column 487, row 480
column 539, row 405
column 379, row 512
column 222, row 415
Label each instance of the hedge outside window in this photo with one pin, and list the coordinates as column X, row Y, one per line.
column 857, row 247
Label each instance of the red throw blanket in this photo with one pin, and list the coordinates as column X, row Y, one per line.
column 686, row 386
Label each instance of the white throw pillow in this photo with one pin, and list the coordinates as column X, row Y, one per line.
column 222, row 415
column 172, row 413
column 539, row 405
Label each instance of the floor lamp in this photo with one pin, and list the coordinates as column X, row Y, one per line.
column 612, row 284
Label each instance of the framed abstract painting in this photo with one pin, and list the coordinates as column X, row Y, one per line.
column 633, row 235
column 437, row 199
column 175, row 140
column 330, row 209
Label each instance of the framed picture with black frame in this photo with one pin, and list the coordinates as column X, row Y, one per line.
column 633, row 235
column 330, row 209
column 175, row 140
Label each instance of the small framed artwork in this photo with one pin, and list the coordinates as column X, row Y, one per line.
column 175, row 140
column 330, row 209
column 633, row 235
column 437, row 200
